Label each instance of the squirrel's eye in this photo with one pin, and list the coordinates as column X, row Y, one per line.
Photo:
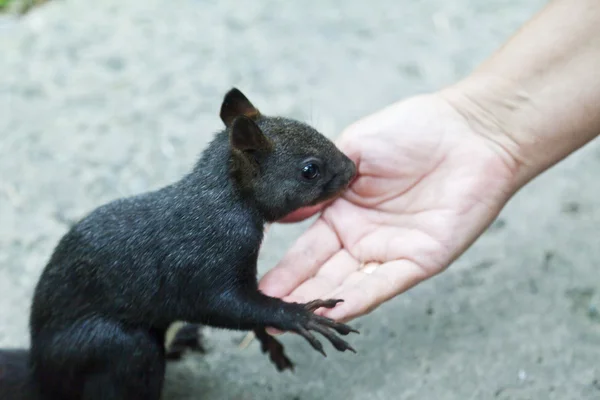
column 310, row 171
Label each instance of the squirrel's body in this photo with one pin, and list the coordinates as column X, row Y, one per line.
column 187, row 252
column 181, row 234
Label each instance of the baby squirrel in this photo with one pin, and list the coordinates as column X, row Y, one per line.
column 187, row 252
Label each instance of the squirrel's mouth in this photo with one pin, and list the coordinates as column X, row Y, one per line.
column 335, row 187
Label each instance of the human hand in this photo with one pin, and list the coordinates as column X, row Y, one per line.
column 428, row 185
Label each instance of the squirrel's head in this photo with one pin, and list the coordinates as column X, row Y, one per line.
column 282, row 163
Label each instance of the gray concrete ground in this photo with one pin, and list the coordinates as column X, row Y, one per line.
column 104, row 99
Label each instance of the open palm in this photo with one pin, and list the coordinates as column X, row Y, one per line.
column 427, row 187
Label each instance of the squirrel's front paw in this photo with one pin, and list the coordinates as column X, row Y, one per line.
column 308, row 321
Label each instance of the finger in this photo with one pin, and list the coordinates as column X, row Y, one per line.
column 349, row 144
column 353, row 222
column 401, row 242
column 330, row 276
column 302, row 261
column 363, row 292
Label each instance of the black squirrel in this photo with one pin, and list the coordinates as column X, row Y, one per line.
column 187, row 252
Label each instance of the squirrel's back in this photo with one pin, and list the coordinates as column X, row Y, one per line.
column 144, row 243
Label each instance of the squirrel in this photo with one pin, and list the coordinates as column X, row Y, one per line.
column 188, row 251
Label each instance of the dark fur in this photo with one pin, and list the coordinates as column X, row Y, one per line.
column 187, row 252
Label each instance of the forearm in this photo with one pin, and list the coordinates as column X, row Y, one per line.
column 538, row 97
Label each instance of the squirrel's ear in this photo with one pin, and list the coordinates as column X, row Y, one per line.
column 236, row 104
column 246, row 135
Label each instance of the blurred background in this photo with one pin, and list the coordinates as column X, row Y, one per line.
column 104, row 99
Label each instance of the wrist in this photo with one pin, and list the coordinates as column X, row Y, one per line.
column 504, row 114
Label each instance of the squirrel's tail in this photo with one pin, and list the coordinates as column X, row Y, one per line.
column 15, row 383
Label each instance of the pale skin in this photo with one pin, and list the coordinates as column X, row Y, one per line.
column 435, row 170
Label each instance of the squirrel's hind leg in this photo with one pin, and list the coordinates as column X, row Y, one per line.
column 100, row 360
column 186, row 337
